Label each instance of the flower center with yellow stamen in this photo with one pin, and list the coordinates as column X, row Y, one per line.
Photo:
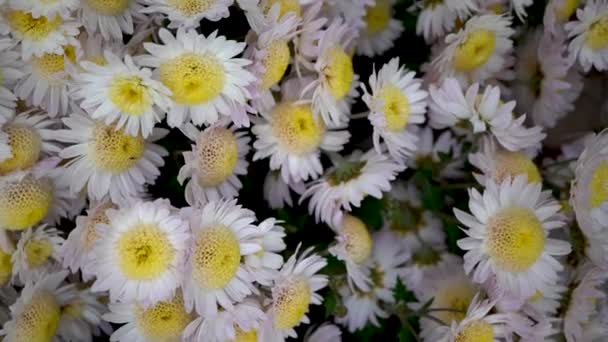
column 6, row 267
column 108, row 7
column 378, row 16
column 275, row 63
column 339, row 72
column 597, row 35
column 35, row 29
column 512, row 164
column 144, row 252
column 217, row 153
column 49, row 65
column 476, row 331
column 515, row 239
column 598, row 185
column 130, row 95
column 164, row 321
column 566, row 10
column 457, row 297
column 193, row 79
column 245, row 336
column 286, row 6
column 39, row 319
column 191, row 8
column 395, row 107
column 475, row 51
column 345, row 172
column 296, row 128
column 114, row 151
column 216, row 257
column 89, row 236
column 25, row 143
column 357, row 241
column 25, row 203
column 291, row 302
column 37, row 252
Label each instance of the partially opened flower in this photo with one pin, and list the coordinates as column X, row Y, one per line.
column 589, row 41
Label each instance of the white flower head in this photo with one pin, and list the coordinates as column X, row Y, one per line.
column 111, row 19
column 37, row 254
column 557, row 14
column 42, row 8
column 188, row 13
column 266, row 262
column 81, row 317
column 381, row 29
column 589, row 42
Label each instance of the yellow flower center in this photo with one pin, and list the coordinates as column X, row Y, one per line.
column 114, row 151
column 39, row 319
column 144, row 252
column 193, row 79
column 25, row 146
column 339, row 72
column 358, row 242
column 275, row 63
column 598, row 185
column 287, row 6
column 37, row 252
column 35, row 29
column 245, row 336
column 216, row 257
column 218, row 153
column 296, row 128
column 516, row 239
column 130, row 95
column 164, row 321
column 476, row 331
column 89, row 236
column 50, row 64
column 191, row 8
column 474, row 51
column 457, row 296
column 24, row 204
column 108, row 7
column 566, row 10
column 291, row 303
column 378, row 16
column 6, row 267
column 395, row 106
column 597, row 35
column 511, row 164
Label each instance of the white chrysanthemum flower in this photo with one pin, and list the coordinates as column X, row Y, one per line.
column 277, row 193
column 557, row 13
column 44, row 8
column 293, row 291
column 37, row 254
column 396, row 102
column 545, row 84
column 214, row 164
column 508, row 236
column 205, row 78
column 105, row 160
column 325, row 333
column 335, row 83
column 589, row 41
column 435, row 19
column 381, row 29
column 479, row 51
column 162, row 321
column 444, row 150
column 81, row 317
column 266, row 262
column 36, row 314
column 222, row 235
column 45, row 80
column 11, row 67
column 110, row 18
column 346, row 183
column 41, row 35
column 498, row 164
column 450, row 107
column 140, row 253
column 352, row 12
column 188, row 13
column 354, row 247
column 121, row 93
column 29, row 138
column 239, row 323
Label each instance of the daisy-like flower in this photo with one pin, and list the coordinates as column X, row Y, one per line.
column 37, row 254
column 450, row 107
column 381, row 29
column 162, row 321
column 110, row 18
column 477, row 52
column 557, row 14
column 140, row 253
column 11, row 67
column 188, row 13
column 214, row 163
column 396, row 102
column 346, row 183
column 36, row 314
column 432, row 151
column 121, row 93
column 498, row 164
column 544, row 80
column 324, row 333
column 222, row 235
column 239, row 323
column 435, row 19
column 266, row 262
column 508, row 236
column 106, row 160
column 43, row 8
column 277, row 193
column 40, row 35
column 589, row 41
column 354, row 247
column 352, row 12
column 81, row 317
column 293, row 291
column 205, row 78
